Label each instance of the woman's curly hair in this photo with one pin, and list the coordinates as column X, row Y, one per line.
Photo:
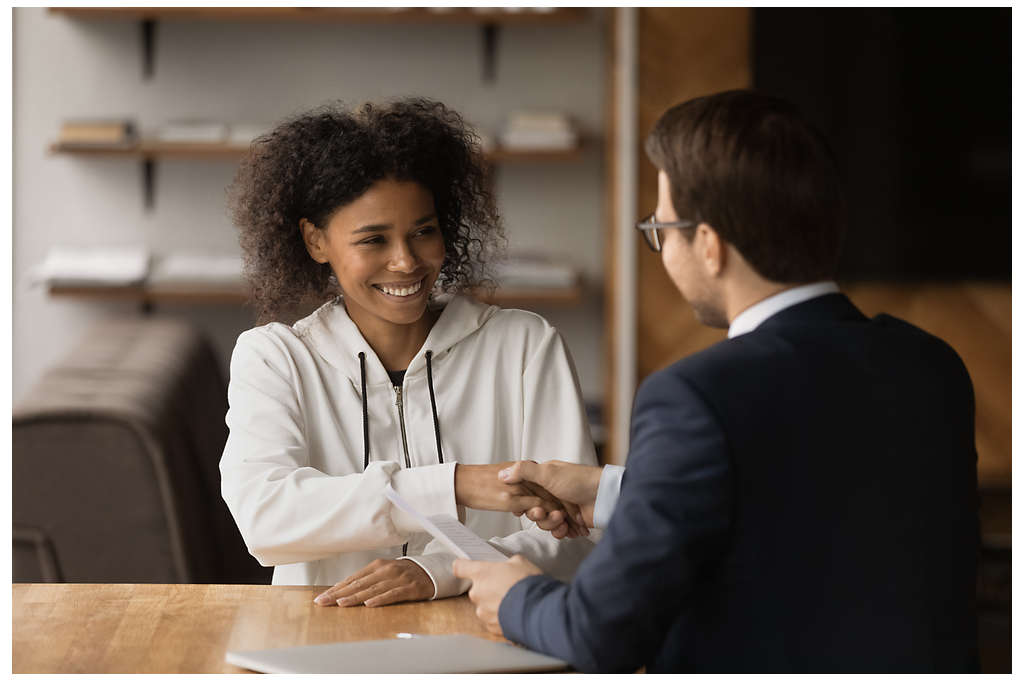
column 314, row 163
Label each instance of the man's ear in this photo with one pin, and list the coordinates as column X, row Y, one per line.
column 313, row 237
column 710, row 249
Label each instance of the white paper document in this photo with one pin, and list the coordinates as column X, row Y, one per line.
column 460, row 540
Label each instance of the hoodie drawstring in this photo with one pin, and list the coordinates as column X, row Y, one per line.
column 366, row 415
column 433, row 409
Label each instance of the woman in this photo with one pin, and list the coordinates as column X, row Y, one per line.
column 376, row 210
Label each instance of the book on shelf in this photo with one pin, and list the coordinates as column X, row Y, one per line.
column 196, row 270
column 528, row 271
column 96, row 133
column 243, row 134
column 539, row 131
column 513, row 10
column 189, row 131
column 91, row 266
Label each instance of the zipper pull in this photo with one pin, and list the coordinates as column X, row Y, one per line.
column 398, row 397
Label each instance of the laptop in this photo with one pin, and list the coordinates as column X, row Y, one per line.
column 404, row 654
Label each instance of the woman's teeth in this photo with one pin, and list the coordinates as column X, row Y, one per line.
column 401, row 291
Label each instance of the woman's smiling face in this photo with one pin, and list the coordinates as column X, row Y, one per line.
column 386, row 250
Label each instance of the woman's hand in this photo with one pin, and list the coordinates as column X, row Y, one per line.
column 478, row 486
column 384, row 581
column 571, row 484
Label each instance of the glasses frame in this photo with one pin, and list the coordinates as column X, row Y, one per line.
column 652, row 237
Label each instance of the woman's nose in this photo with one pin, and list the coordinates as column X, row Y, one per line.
column 403, row 258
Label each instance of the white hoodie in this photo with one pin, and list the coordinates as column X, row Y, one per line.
column 292, row 470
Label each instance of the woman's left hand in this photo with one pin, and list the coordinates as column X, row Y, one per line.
column 384, row 581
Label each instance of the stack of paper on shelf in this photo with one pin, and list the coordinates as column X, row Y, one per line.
column 242, row 134
column 192, row 132
column 190, row 269
column 525, row 271
column 487, row 144
column 101, row 133
column 545, row 131
column 93, row 266
column 513, row 10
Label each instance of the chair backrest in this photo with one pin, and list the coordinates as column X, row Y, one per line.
column 115, row 454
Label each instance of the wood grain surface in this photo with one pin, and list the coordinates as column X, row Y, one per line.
column 93, row 628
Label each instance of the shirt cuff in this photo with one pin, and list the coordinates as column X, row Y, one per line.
column 607, row 494
column 429, row 489
column 439, row 568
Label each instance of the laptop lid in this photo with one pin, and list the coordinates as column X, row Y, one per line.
column 408, row 654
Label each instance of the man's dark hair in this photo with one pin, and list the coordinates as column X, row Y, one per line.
column 749, row 165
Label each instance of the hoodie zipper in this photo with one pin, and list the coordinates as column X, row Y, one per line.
column 401, row 423
column 405, row 442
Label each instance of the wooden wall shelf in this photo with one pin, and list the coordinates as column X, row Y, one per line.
column 488, row 19
column 198, row 294
column 153, row 150
column 150, row 151
column 374, row 15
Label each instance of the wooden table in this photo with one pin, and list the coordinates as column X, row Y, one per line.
column 93, row 628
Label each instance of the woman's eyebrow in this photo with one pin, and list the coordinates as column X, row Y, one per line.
column 383, row 228
column 371, row 228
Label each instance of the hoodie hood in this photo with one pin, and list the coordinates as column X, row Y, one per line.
column 333, row 335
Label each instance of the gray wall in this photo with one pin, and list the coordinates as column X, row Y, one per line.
column 261, row 72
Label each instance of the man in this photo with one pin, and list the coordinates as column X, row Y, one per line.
column 798, row 497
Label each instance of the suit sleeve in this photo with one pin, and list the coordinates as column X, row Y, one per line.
column 671, row 519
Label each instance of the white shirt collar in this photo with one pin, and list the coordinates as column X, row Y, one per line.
column 752, row 317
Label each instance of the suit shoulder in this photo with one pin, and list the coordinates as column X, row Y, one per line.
column 927, row 345
column 728, row 353
column 674, row 383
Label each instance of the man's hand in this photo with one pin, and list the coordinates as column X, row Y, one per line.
column 478, row 486
column 384, row 581
column 491, row 582
column 572, row 484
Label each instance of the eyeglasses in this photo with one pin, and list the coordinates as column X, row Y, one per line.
column 651, row 230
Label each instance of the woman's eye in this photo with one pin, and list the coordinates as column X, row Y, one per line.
column 422, row 232
column 373, row 241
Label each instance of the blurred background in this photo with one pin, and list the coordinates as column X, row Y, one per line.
column 127, row 291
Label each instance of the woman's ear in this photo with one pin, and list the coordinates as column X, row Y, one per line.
column 313, row 237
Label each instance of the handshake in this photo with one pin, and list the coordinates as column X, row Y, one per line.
column 557, row 496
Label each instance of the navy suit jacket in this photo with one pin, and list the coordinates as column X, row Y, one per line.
column 799, row 498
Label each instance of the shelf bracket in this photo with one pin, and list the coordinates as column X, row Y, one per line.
column 148, row 182
column 490, row 41
column 148, row 47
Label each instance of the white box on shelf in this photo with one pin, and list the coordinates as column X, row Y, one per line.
column 196, row 269
column 192, row 132
column 539, row 130
column 242, row 134
column 525, row 271
column 93, row 266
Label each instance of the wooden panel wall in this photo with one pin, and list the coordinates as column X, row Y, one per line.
column 682, row 53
